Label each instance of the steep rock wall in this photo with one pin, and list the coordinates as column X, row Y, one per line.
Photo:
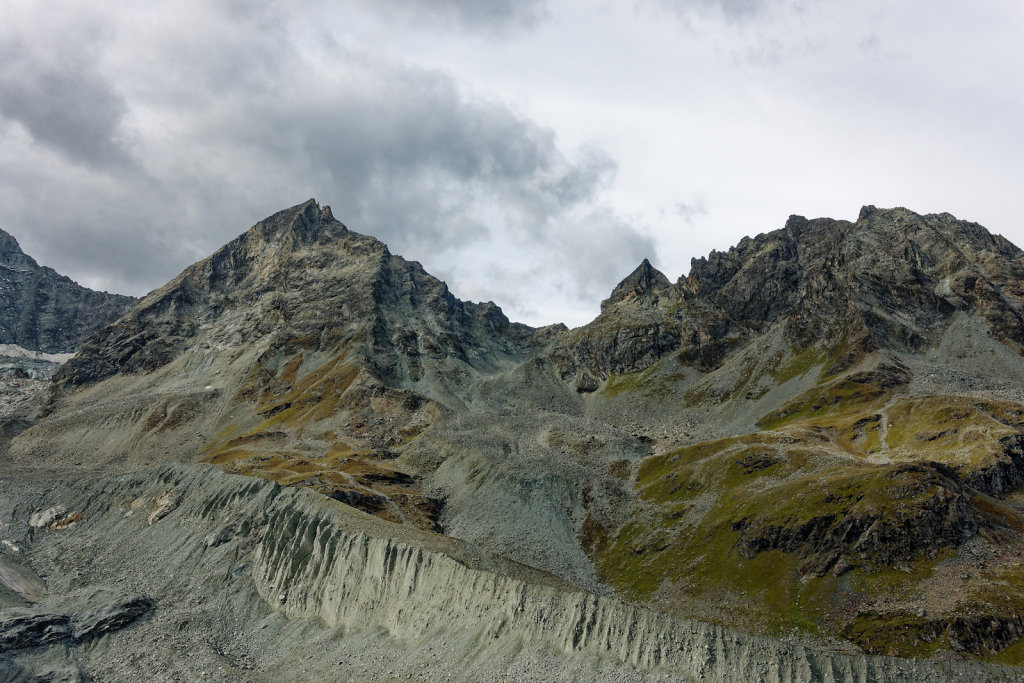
column 42, row 310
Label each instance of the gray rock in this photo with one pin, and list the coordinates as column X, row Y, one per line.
column 44, row 311
column 644, row 282
column 44, row 518
column 328, row 286
column 112, row 617
column 221, row 536
column 12, row 672
column 892, row 280
column 21, row 630
column 31, row 630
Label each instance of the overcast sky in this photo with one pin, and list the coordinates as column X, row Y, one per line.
column 528, row 152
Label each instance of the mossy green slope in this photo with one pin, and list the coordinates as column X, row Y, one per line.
column 853, row 514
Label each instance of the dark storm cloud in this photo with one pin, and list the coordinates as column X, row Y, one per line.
column 56, row 92
column 477, row 14
column 406, row 157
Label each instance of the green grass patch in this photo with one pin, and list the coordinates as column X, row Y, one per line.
column 637, row 382
column 800, row 364
column 896, row 634
column 834, row 398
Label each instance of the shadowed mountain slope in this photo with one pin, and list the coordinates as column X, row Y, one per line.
column 41, row 310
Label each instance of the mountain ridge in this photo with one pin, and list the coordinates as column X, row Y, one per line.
column 806, row 271
column 261, row 255
column 41, row 310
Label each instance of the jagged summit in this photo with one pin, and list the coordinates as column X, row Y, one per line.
column 642, row 282
column 300, row 274
column 305, row 222
column 893, row 280
column 265, row 243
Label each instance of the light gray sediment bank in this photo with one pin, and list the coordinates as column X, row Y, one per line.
column 251, row 581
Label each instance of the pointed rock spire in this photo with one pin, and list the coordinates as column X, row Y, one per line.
column 640, row 283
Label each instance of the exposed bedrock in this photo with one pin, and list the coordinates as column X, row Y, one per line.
column 929, row 510
column 891, row 280
column 26, row 629
column 42, row 310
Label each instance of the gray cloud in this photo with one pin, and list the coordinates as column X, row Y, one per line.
column 564, row 276
column 409, row 159
column 870, row 42
column 228, row 131
column 690, row 211
column 733, row 9
column 55, row 90
column 752, row 32
column 491, row 15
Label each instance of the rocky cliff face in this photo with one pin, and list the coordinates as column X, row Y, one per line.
column 890, row 280
column 41, row 310
column 819, row 429
column 300, row 280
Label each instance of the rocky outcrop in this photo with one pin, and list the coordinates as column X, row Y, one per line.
column 973, row 634
column 891, row 280
column 909, row 511
column 41, row 310
column 1004, row 474
column 19, row 630
column 643, row 283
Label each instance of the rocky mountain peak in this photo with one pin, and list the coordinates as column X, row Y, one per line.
column 304, row 223
column 11, row 254
column 642, row 282
column 260, row 257
column 300, row 281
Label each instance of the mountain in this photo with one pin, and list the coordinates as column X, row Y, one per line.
column 851, row 450
column 41, row 310
column 304, row 352
column 817, row 432
column 890, row 280
column 44, row 317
